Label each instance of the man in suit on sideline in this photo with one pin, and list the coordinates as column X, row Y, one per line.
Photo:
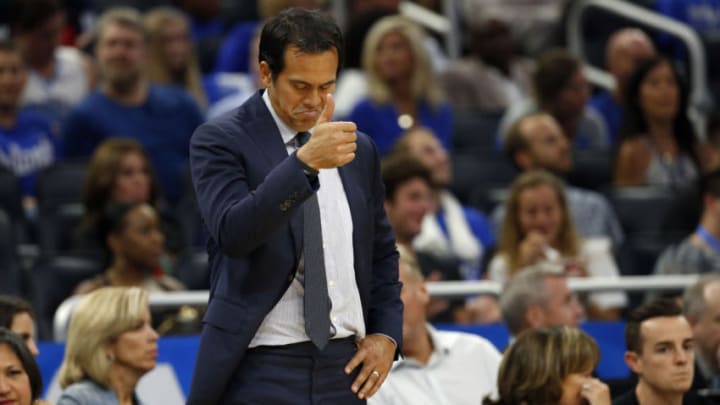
column 257, row 182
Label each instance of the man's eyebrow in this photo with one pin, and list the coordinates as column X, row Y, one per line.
column 300, row 81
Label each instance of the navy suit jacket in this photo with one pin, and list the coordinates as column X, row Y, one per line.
column 250, row 194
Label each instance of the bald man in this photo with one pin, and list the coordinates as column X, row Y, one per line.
column 625, row 48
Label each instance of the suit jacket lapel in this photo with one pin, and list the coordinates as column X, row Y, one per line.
column 266, row 135
column 264, row 132
column 354, row 197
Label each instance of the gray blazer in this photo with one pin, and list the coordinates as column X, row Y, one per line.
column 88, row 392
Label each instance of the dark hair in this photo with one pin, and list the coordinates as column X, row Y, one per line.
column 517, row 141
column 310, row 31
column 633, row 118
column 554, row 70
column 654, row 309
column 113, row 220
column 399, row 169
column 30, row 14
column 11, row 306
column 713, row 129
column 710, row 183
column 103, row 171
column 15, row 343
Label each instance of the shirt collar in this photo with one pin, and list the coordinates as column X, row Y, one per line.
column 287, row 133
column 440, row 347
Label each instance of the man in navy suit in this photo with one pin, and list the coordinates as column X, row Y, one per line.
column 255, row 176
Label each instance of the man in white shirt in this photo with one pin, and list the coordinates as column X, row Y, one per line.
column 539, row 297
column 439, row 367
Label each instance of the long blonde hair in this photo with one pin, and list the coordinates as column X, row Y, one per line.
column 98, row 319
column 156, row 68
column 422, row 85
column 511, row 234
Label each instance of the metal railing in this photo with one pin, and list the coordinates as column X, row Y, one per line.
column 699, row 96
column 446, row 24
column 436, row 289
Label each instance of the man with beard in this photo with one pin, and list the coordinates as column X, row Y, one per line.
column 537, row 142
column 660, row 351
column 161, row 118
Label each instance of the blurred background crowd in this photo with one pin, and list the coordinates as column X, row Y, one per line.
column 501, row 152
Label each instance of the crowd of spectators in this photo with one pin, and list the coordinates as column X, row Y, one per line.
column 118, row 87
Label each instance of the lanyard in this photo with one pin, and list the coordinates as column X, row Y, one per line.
column 708, row 238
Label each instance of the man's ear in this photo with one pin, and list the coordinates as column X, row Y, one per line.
column 423, row 292
column 265, row 74
column 388, row 206
column 634, row 362
column 535, row 316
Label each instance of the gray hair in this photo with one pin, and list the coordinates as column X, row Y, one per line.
column 524, row 289
column 694, row 296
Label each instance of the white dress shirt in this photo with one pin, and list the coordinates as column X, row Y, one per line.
column 462, row 369
column 285, row 323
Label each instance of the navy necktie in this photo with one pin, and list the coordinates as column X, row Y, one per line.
column 316, row 300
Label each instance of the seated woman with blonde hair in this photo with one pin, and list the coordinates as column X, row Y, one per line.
column 538, row 229
column 111, row 345
column 551, row 366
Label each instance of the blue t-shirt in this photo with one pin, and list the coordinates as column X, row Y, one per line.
column 163, row 124
column 28, row 146
column 380, row 122
column 611, row 112
column 701, row 15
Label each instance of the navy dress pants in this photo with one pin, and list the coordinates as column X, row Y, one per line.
column 295, row 374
